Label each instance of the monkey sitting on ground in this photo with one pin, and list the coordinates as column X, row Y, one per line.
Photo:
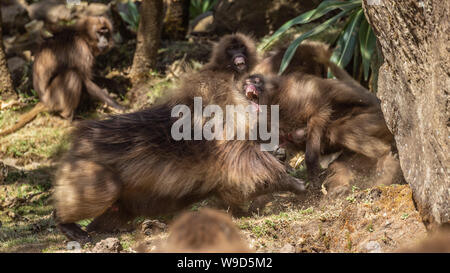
column 204, row 231
column 234, row 53
column 328, row 114
column 130, row 165
column 62, row 69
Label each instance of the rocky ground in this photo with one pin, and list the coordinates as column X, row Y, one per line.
column 376, row 219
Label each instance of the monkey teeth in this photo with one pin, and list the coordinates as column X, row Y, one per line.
column 239, row 62
column 251, row 92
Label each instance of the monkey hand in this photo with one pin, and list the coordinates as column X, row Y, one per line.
column 315, row 181
column 296, row 185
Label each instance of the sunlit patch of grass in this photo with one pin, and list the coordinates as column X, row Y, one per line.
column 35, row 141
column 85, row 222
column 158, row 90
column 127, row 240
column 26, row 215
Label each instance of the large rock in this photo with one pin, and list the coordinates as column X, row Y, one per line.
column 414, row 87
column 16, row 66
column 257, row 17
column 109, row 245
column 51, row 11
column 14, row 16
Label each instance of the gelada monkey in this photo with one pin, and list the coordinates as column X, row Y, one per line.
column 313, row 58
column 234, row 53
column 62, row 69
column 130, row 165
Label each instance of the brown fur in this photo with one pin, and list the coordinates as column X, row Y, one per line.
column 435, row 243
column 313, row 58
column 335, row 115
column 310, row 58
column 62, row 69
column 207, row 230
column 229, row 47
column 129, row 165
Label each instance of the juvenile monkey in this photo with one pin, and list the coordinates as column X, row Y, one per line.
column 234, row 54
column 62, row 69
column 130, row 165
column 203, row 231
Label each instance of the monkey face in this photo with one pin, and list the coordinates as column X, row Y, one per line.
column 237, row 53
column 99, row 30
column 103, row 39
column 253, row 87
column 260, row 90
column 234, row 53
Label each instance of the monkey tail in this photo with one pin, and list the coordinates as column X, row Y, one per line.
column 25, row 118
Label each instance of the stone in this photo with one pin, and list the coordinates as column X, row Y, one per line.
column 287, row 248
column 50, row 11
column 152, row 227
column 109, row 245
column 373, row 247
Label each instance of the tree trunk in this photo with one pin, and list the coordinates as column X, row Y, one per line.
column 148, row 40
column 6, row 85
column 176, row 19
column 414, row 87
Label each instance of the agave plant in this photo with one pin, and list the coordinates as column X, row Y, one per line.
column 356, row 37
column 131, row 17
column 198, row 7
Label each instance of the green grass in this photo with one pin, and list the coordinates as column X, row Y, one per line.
column 38, row 140
column 158, row 90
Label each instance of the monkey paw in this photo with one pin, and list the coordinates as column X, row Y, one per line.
column 74, row 232
column 298, row 185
